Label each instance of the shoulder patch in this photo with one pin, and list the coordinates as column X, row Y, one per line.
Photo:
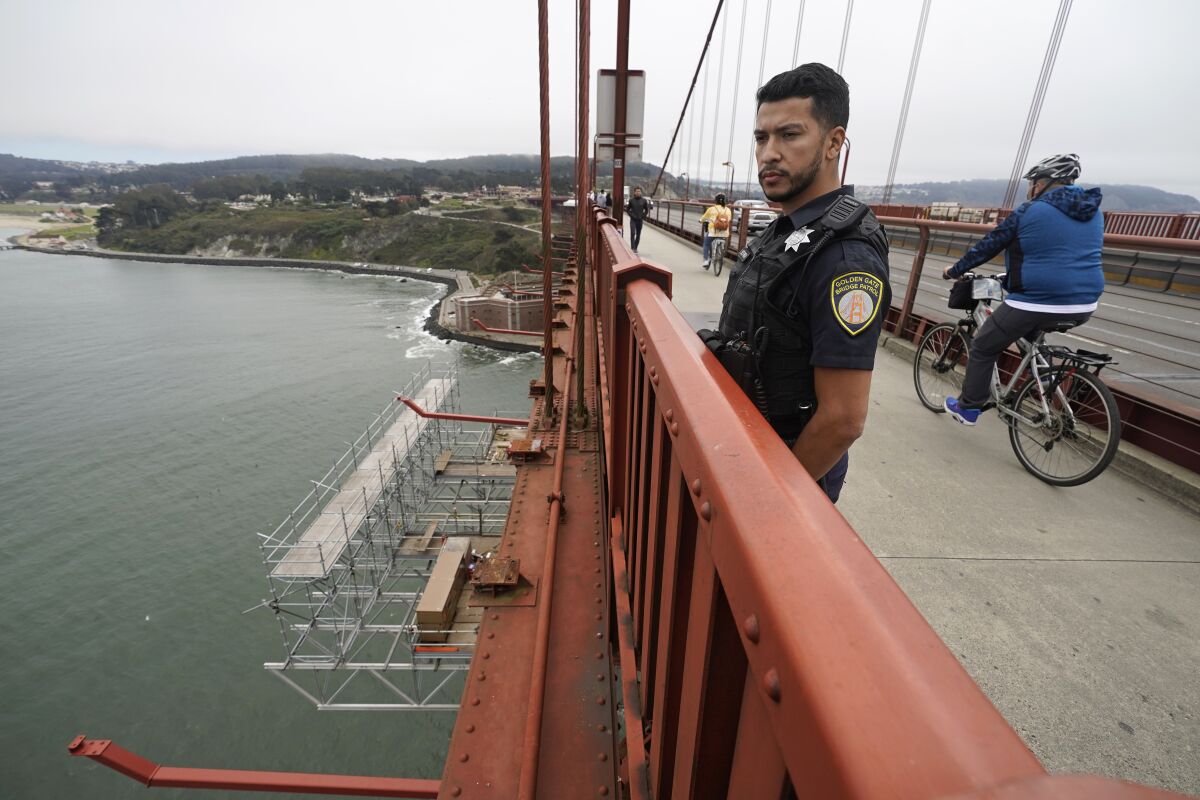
column 856, row 297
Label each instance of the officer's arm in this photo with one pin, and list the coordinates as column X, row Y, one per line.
column 842, row 398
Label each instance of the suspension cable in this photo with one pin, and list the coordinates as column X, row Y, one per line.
column 687, row 100
column 845, row 35
column 703, row 115
column 908, row 91
column 712, row 150
column 737, row 81
column 796, row 44
column 762, row 63
column 1035, row 106
column 547, row 253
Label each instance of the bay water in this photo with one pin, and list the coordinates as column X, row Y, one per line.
column 153, row 418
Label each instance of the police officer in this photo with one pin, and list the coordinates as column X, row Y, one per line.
column 810, row 294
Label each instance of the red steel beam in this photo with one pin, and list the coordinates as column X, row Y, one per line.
column 514, row 421
column 479, row 324
column 131, row 765
column 531, row 750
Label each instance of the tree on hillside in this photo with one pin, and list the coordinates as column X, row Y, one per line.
column 141, row 208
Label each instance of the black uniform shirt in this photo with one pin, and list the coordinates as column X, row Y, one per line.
column 845, row 338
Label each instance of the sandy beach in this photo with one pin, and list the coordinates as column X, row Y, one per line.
column 19, row 223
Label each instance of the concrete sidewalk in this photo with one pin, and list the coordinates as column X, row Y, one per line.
column 1077, row 610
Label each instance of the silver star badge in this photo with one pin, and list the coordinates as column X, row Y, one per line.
column 797, row 238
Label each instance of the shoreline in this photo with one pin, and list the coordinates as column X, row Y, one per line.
column 447, row 278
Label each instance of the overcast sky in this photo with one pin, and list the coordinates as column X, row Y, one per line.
column 187, row 80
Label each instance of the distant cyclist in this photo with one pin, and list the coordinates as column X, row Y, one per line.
column 1052, row 245
column 718, row 218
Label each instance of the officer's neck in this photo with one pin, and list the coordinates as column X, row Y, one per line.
column 825, row 182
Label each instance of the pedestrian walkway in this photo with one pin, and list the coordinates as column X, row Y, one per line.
column 1077, row 610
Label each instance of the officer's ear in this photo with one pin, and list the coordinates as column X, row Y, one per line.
column 835, row 138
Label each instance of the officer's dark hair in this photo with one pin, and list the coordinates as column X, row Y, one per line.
column 829, row 92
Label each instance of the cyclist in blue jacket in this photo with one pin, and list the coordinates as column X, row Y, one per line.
column 1052, row 245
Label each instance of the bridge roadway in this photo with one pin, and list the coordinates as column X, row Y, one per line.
column 1152, row 335
column 1076, row 610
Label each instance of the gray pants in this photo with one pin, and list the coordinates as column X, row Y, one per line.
column 1000, row 330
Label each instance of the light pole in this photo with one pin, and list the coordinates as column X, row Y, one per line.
column 687, row 186
column 732, row 169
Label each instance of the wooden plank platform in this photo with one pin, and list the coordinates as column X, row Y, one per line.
column 318, row 548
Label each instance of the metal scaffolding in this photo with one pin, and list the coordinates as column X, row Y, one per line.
column 347, row 567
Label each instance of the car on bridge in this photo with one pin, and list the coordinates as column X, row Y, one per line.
column 761, row 214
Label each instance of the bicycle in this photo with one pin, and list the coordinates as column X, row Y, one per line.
column 1055, row 405
column 718, row 255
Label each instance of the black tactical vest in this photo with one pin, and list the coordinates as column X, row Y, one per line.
column 758, row 307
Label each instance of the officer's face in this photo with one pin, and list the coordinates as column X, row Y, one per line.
column 792, row 147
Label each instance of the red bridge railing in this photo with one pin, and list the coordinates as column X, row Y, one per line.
column 765, row 651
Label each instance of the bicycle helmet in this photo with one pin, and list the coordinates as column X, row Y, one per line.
column 720, row 199
column 1060, row 169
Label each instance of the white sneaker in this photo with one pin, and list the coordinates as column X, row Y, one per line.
column 705, row 264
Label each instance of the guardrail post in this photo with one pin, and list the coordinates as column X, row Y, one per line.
column 743, row 229
column 914, row 280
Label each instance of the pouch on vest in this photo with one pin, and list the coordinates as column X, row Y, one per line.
column 741, row 362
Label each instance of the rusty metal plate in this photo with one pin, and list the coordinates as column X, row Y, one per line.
column 525, row 593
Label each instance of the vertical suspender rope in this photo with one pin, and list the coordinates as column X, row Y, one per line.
column 751, row 172
column 703, row 114
column 547, row 264
column 712, row 150
column 737, row 79
column 687, row 162
column 845, row 35
column 908, row 91
column 1035, row 106
column 687, row 100
column 796, row 44
column 584, row 36
column 581, row 253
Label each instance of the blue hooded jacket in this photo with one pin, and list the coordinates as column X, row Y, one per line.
column 1053, row 251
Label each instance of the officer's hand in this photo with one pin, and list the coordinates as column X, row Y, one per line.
column 946, row 274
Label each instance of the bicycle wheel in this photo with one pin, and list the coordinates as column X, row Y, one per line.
column 940, row 365
column 1077, row 439
column 718, row 255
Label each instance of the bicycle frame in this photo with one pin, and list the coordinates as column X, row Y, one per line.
column 1032, row 361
